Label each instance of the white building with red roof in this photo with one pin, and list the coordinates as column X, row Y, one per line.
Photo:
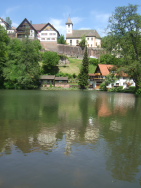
column 104, row 70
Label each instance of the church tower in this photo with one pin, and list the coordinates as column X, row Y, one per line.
column 69, row 26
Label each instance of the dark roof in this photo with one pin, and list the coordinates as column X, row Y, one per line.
column 26, row 20
column 47, row 77
column 61, row 78
column 81, row 33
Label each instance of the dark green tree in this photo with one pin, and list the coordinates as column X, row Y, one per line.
column 50, row 62
column 61, row 40
column 4, row 40
column 125, row 27
column 83, row 76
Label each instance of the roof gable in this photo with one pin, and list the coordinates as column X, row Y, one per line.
column 105, row 69
column 25, row 21
column 49, row 27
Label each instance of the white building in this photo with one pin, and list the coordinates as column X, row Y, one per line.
column 73, row 37
column 104, row 70
column 43, row 32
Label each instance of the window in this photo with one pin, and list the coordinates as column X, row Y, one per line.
column 91, row 38
column 87, row 38
column 70, row 42
column 43, row 33
column 48, row 38
column 42, row 38
column 77, row 42
column 53, row 39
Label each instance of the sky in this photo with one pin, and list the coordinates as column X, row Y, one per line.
column 87, row 14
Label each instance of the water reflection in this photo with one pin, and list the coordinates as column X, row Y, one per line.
column 33, row 121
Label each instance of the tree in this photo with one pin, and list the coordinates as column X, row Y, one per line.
column 9, row 21
column 22, row 67
column 83, row 42
column 4, row 40
column 125, row 28
column 50, row 62
column 61, row 40
column 83, row 76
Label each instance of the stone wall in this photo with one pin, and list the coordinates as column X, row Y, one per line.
column 72, row 51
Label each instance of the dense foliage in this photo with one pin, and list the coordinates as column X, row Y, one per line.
column 50, row 62
column 22, row 68
column 124, row 40
column 4, row 40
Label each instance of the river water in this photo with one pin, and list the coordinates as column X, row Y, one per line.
column 69, row 139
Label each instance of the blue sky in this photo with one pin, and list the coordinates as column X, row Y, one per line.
column 90, row 14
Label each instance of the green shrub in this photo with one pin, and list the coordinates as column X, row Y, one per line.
column 138, row 92
column 116, row 89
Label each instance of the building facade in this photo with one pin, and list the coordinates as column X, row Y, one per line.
column 42, row 32
column 73, row 37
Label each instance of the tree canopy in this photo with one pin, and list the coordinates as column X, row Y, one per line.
column 125, row 32
column 50, row 61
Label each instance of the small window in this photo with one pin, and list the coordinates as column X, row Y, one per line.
column 70, row 42
column 91, row 38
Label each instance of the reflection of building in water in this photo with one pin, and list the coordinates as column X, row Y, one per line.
column 91, row 135
column 46, row 139
column 7, row 147
column 120, row 100
column 104, row 109
column 115, row 126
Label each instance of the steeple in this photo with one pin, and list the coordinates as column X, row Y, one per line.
column 69, row 21
column 69, row 26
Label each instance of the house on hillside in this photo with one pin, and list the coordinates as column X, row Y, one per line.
column 73, row 37
column 42, row 32
column 11, row 31
column 4, row 24
column 104, row 70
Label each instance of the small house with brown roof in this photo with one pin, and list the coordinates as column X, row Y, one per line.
column 103, row 70
column 51, row 80
column 73, row 37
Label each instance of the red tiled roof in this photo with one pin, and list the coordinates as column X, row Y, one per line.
column 105, row 69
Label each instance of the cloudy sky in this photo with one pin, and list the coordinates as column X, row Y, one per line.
column 90, row 14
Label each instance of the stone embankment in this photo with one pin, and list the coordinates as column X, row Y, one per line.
column 72, row 51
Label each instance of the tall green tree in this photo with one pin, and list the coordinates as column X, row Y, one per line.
column 83, row 76
column 50, row 62
column 4, row 40
column 22, row 68
column 125, row 28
